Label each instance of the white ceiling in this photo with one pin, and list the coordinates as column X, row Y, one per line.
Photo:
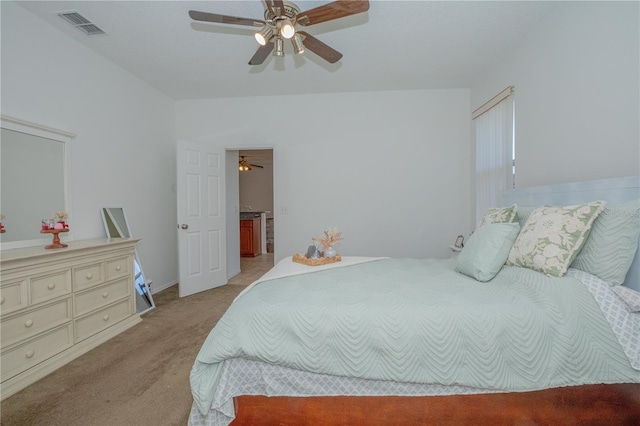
column 396, row 45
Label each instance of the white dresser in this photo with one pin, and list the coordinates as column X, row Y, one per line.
column 58, row 304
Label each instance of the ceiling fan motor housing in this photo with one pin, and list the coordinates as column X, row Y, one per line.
column 290, row 12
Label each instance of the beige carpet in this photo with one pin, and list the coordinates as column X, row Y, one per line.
column 140, row 377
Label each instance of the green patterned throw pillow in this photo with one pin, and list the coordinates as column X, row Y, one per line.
column 499, row 215
column 553, row 236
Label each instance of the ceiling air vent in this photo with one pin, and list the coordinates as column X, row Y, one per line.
column 81, row 23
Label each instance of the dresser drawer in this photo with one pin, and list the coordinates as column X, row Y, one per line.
column 13, row 296
column 35, row 321
column 104, row 318
column 120, row 267
column 98, row 297
column 88, row 276
column 47, row 287
column 28, row 354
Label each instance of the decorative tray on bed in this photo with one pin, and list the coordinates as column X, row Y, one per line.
column 302, row 258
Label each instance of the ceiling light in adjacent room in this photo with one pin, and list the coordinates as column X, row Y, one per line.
column 243, row 166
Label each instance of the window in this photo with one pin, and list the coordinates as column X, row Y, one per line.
column 495, row 149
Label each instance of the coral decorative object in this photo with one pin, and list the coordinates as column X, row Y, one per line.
column 330, row 237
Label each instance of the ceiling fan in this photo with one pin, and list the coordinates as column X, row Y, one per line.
column 280, row 22
column 244, row 166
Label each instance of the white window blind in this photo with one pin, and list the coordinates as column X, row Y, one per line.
column 494, row 149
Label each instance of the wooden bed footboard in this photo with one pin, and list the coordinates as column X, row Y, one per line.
column 617, row 404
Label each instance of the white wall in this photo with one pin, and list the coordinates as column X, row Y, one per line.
column 577, row 94
column 389, row 169
column 124, row 151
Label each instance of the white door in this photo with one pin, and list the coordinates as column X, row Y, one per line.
column 201, row 220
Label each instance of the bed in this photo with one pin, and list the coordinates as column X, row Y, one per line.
column 496, row 335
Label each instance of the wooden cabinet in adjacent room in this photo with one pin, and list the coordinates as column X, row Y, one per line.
column 250, row 242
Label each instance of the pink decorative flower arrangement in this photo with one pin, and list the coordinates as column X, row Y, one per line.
column 61, row 218
column 330, row 238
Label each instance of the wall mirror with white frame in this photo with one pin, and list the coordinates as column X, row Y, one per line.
column 34, row 173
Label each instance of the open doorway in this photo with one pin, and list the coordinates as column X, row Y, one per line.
column 250, row 209
column 255, row 183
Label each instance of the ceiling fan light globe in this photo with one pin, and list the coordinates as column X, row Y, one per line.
column 286, row 29
column 279, row 47
column 263, row 36
column 260, row 39
column 298, row 47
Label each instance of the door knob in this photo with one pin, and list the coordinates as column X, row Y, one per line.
column 184, row 226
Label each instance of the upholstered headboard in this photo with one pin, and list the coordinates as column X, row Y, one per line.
column 613, row 191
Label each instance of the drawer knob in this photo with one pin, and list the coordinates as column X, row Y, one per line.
column 51, row 286
column 105, row 295
column 89, row 276
column 105, row 318
column 30, row 354
column 28, row 323
column 1, row 300
column 118, row 268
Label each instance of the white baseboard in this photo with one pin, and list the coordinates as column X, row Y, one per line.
column 232, row 274
column 158, row 289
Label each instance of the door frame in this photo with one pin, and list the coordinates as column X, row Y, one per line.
column 232, row 189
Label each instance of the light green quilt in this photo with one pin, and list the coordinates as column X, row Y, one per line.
column 419, row 321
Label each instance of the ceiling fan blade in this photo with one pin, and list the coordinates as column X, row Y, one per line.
column 331, row 11
column 273, row 4
column 257, row 165
column 319, row 48
column 261, row 54
column 224, row 19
